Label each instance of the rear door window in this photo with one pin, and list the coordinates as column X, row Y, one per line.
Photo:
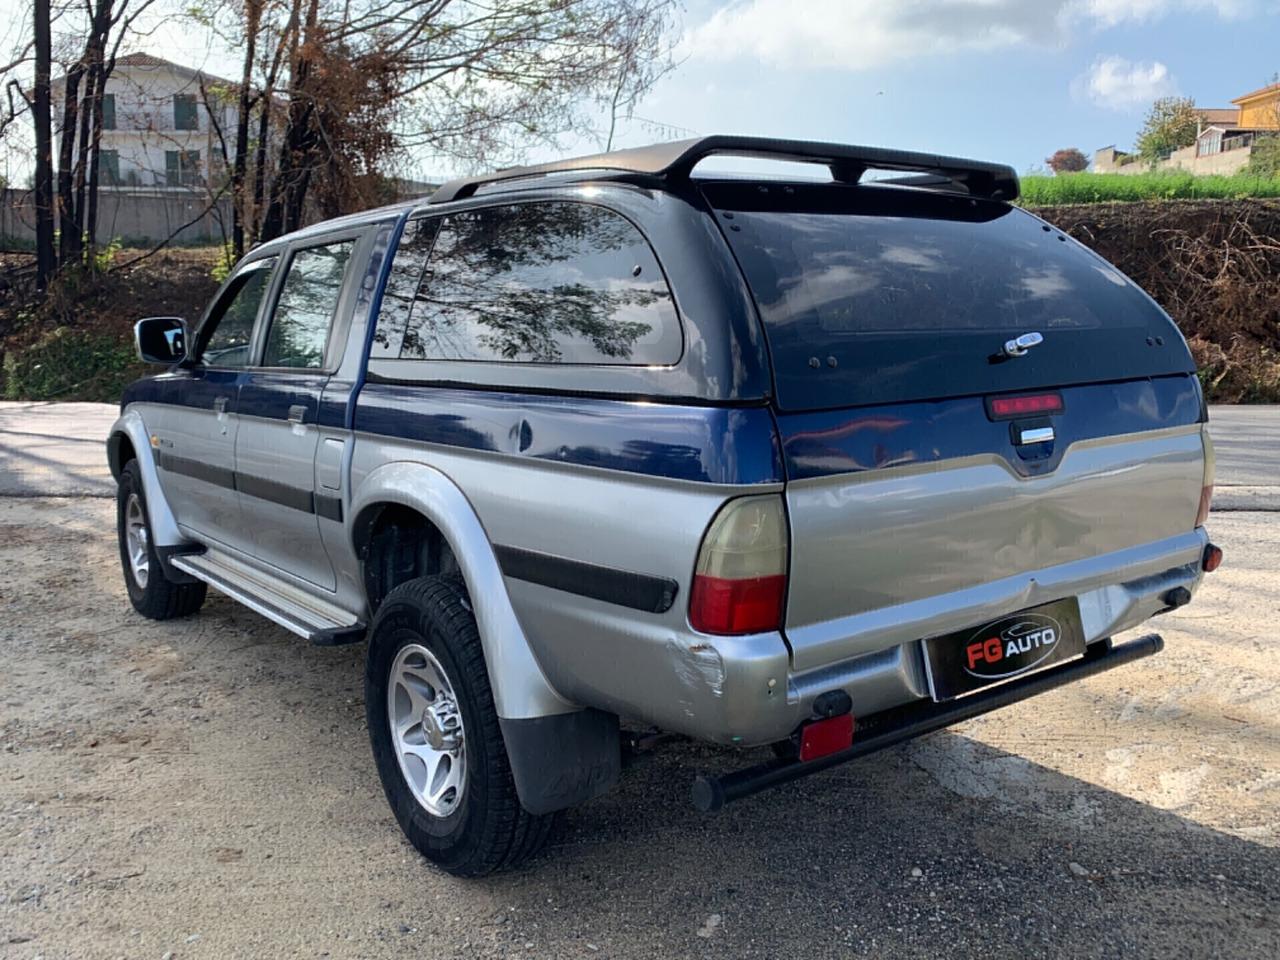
column 884, row 295
column 306, row 306
column 548, row 283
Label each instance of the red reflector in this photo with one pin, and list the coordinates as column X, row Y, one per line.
column 1212, row 558
column 1206, row 497
column 1020, row 406
column 826, row 737
column 721, row 606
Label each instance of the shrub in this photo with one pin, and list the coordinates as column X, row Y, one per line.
column 1067, row 160
column 226, row 260
column 67, row 364
column 1264, row 159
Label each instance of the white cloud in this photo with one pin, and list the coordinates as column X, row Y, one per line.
column 867, row 34
column 1121, row 84
column 863, row 34
column 1109, row 13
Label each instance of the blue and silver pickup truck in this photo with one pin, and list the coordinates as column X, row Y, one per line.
column 820, row 463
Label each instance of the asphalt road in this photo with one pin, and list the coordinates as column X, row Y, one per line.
column 55, row 449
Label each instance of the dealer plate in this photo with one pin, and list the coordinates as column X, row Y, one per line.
column 961, row 662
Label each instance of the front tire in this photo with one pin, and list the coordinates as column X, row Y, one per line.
column 152, row 594
column 435, row 735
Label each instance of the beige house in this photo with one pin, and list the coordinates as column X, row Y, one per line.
column 158, row 129
column 1223, row 143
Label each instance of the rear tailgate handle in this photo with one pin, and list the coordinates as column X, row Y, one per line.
column 297, row 413
column 1035, row 435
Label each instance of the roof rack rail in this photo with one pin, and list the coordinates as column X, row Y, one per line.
column 676, row 160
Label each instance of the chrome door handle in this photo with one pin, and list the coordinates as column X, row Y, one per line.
column 220, row 405
column 1035, row 435
column 297, row 413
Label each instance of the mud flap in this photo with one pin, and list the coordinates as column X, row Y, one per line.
column 563, row 760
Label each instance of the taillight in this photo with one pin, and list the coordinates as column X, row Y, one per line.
column 1202, row 514
column 740, row 581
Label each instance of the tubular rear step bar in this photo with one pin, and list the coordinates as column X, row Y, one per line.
column 878, row 731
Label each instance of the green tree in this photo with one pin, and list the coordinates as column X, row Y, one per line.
column 1172, row 123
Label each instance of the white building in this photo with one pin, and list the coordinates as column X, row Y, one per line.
column 157, row 129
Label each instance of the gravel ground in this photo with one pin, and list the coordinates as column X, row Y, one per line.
column 203, row 788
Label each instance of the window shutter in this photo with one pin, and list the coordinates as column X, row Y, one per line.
column 108, row 111
column 184, row 112
column 109, row 167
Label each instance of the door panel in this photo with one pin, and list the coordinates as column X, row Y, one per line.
column 280, row 412
column 275, row 471
column 195, row 429
column 196, row 424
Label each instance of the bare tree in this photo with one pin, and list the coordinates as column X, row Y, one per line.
column 341, row 89
column 46, row 261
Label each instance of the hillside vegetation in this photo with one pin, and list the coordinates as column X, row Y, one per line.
column 1126, row 188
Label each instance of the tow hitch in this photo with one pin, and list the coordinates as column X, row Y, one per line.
column 877, row 731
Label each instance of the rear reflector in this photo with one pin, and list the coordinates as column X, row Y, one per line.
column 1212, row 558
column 826, row 737
column 1001, row 408
column 740, row 581
column 1206, row 497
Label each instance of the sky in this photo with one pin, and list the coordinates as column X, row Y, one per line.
column 1004, row 80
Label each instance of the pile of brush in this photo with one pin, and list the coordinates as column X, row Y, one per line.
column 1214, row 265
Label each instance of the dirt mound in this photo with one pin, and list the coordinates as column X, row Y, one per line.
column 1214, row 265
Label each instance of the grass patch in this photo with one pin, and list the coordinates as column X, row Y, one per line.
column 1126, row 188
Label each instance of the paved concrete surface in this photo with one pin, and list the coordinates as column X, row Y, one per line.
column 55, row 449
column 1246, row 440
column 203, row 788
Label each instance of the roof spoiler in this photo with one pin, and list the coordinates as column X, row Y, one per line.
column 676, row 160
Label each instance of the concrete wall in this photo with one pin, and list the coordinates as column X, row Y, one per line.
column 141, row 215
column 1226, row 163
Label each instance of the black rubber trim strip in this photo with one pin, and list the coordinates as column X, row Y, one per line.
column 639, row 591
column 218, row 476
column 294, row 498
column 330, row 508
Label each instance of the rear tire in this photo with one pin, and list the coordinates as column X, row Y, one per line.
column 152, row 594
column 435, row 734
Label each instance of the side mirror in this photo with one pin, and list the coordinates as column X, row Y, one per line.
column 161, row 340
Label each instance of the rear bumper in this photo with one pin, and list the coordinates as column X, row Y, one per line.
column 876, row 656
column 891, row 727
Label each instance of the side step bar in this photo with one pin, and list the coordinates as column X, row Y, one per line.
column 711, row 793
column 313, row 619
